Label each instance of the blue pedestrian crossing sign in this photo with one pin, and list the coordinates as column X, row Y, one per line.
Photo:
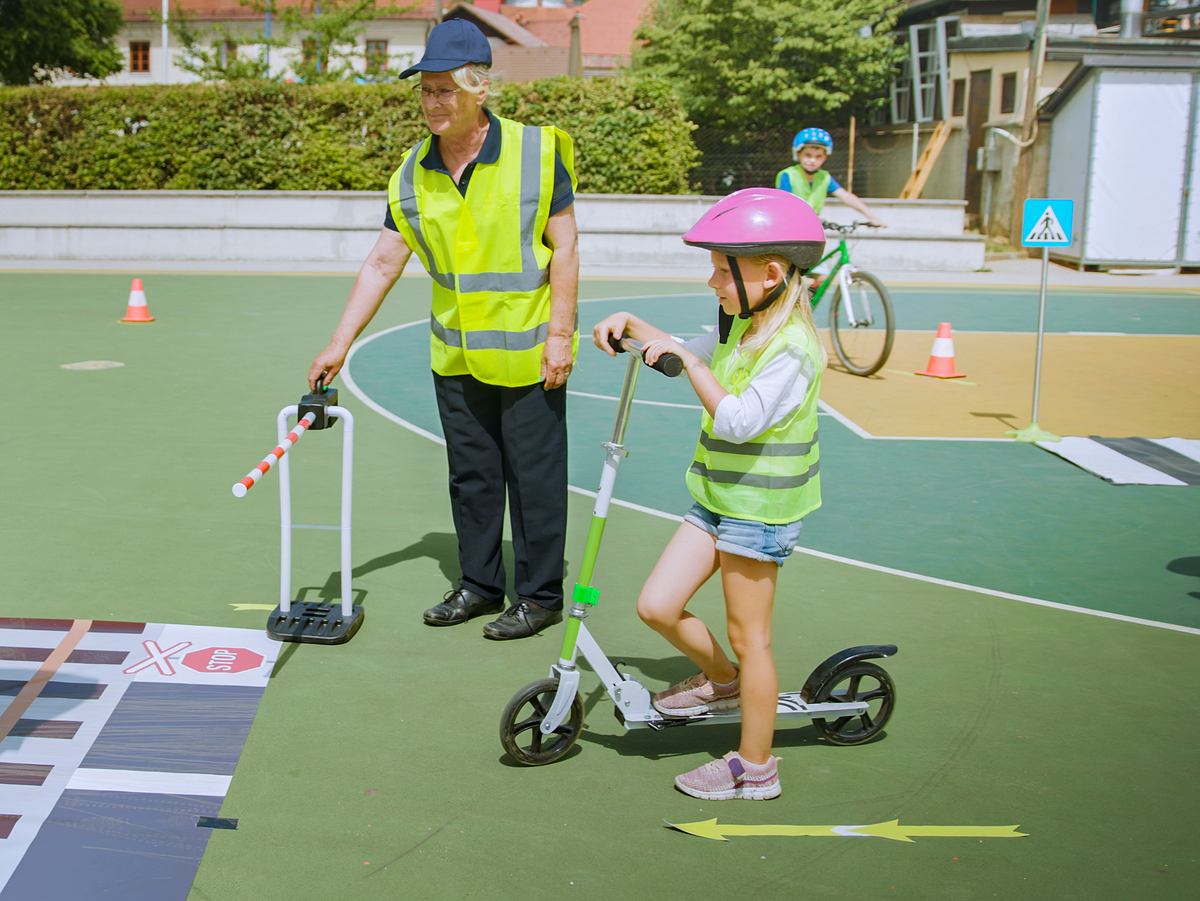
column 1047, row 223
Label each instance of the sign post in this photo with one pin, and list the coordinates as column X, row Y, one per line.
column 1044, row 224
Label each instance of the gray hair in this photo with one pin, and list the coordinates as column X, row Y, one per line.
column 472, row 77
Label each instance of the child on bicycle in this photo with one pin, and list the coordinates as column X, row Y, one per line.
column 810, row 182
column 753, row 475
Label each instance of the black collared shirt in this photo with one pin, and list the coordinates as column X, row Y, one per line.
column 563, row 195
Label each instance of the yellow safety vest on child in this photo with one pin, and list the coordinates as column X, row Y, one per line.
column 485, row 253
column 773, row 477
column 811, row 192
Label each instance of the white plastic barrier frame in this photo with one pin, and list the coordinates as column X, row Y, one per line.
column 285, row 510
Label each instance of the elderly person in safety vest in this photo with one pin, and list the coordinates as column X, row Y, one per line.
column 486, row 204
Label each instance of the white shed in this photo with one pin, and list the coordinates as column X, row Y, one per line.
column 1125, row 146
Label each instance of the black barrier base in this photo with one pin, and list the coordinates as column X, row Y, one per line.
column 314, row 622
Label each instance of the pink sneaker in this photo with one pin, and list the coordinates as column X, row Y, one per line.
column 696, row 695
column 732, row 777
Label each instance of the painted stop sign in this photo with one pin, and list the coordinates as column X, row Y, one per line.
column 222, row 660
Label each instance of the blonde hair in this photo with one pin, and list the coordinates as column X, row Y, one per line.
column 472, row 77
column 793, row 305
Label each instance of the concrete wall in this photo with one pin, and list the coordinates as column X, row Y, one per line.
column 619, row 234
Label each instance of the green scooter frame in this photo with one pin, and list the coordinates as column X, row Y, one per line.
column 846, row 697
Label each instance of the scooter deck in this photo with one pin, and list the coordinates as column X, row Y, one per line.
column 790, row 705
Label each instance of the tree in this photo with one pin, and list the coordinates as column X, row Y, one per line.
column 39, row 39
column 327, row 32
column 750, row 65
column 214, row 54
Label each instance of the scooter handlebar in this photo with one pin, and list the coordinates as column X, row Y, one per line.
column 668, row 364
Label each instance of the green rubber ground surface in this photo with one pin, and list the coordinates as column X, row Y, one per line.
column 374, row 769
column 988, row 514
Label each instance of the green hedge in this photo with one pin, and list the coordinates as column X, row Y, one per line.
column 631, row 135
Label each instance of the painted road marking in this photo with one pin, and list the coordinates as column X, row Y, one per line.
column 157, row 658
column 648, row 403
column 890, row 829
column 183, row 714
column 152, row 783
column 50, row 664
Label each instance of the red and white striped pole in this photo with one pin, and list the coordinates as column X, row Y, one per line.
column 252, row 477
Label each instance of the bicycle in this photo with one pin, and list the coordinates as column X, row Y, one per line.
column 861, row 325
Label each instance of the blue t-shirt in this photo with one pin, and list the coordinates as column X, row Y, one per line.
column 785, row 183
column 563, row 196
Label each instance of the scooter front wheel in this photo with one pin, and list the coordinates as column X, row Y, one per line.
column 860, row 681
column 520, row 725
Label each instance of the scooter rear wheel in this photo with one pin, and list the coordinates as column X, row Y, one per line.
column 520, row 731
column 859, row 681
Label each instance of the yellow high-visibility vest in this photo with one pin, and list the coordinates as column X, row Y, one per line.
column 811, row 192
column 486, row 253
column 774, row 477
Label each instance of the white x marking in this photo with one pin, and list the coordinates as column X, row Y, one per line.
column 157, row 658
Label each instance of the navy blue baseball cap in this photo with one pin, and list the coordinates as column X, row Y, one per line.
column 451, row 45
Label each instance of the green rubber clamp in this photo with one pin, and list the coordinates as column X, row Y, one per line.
column 585, row 594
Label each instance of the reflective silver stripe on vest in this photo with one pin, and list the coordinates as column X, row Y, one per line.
column 491, row 339
column 753, row 480
column 408, row 206
column 531, row 277
column 716, row 445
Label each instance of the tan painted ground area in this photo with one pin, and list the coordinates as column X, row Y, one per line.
column 1113, row 386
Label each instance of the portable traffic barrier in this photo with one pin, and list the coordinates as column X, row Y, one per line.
column 308, row 621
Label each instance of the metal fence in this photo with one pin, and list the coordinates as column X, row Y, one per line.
column 729, row 162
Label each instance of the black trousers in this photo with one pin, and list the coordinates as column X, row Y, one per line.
column 507, row 441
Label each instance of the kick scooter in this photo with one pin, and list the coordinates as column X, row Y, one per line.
column 847, row 698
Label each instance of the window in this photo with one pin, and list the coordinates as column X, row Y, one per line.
column 958, row 96
column 139, row 56
column 1008, row 92
column 920, row 91
column 377, row 56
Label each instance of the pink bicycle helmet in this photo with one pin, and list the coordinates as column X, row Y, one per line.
column 757, row 222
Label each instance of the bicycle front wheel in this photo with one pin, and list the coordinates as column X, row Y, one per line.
column 861, row 325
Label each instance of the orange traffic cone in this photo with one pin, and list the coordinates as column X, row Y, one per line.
column 941, row 357
column 137, row 311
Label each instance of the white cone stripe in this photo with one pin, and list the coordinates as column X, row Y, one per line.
column 137, row 298
column 942, row 347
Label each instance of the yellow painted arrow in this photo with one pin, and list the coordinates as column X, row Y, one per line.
column 890, row 829
column 242, row 608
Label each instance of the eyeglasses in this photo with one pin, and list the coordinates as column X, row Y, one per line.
column 434, row 95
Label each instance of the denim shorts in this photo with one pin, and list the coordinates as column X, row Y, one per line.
column 745, row 537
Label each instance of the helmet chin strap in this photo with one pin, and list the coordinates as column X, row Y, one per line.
column 725, row 321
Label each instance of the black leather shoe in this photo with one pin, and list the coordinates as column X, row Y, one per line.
column 458, row 606
column 521, row 620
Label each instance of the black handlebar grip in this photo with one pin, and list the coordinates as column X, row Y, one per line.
column 669, row 365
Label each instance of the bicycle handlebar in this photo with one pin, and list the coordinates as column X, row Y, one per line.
column 846, row 229
column 668, row 364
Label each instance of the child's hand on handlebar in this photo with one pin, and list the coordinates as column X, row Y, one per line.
column 668, row 345
column 612, row 326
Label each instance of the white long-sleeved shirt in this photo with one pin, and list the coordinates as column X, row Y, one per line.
column 772, row 395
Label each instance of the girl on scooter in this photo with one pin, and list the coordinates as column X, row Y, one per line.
column 753, row 476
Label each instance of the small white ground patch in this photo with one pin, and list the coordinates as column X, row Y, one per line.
column 91, row 365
